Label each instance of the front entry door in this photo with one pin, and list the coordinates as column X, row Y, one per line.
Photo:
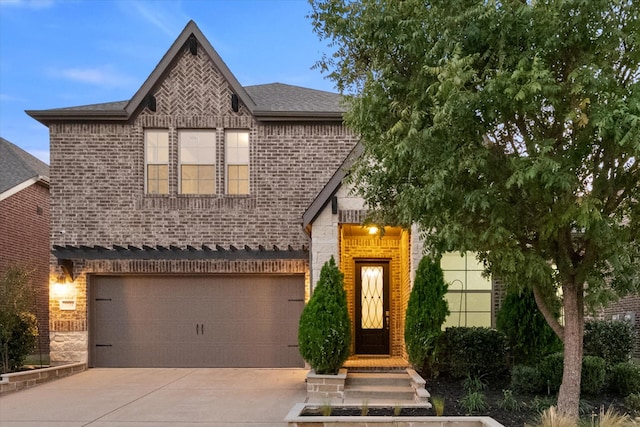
column 372, row 307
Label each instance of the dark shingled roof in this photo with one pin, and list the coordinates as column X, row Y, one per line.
column 269, row 98
column 278, row 97
column 269, row 102
column 18, row 166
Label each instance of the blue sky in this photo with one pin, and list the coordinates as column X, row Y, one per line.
column 64, row 53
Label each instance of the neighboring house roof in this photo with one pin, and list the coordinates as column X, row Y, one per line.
column 19, row 169
column 274, row 101
column 323, row 198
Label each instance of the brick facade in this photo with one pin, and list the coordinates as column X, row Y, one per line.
column 98, row 189
column 24, row 242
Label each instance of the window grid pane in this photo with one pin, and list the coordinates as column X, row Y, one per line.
column 157, row 159
column 198, row 179
column 237, row 159
column 197, row 161
column 157, row 179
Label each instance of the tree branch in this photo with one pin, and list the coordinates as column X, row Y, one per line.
column 547, row 314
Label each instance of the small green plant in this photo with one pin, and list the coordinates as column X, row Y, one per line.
column 632, row 404
column 326, row 409
column 473, row 383
column 474, row 402
column 438, row 405
column 397, row 410
column 541, row 404
column 364, row 410
column 508, row 401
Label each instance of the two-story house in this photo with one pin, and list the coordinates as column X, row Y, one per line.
column 190, row 222
column 24, row 226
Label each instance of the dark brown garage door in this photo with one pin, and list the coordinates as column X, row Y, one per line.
column 195, row 321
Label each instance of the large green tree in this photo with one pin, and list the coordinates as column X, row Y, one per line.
column 510, row 128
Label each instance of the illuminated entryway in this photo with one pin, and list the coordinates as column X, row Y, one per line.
column 376, row 270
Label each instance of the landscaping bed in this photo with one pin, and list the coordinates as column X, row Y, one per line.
column 527, row 411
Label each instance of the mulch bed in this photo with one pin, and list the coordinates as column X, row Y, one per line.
column 452, row 391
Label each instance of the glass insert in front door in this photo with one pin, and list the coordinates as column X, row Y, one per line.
column 372, row 307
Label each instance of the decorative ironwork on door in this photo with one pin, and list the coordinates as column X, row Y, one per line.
column 372, row 307
column 372, row 301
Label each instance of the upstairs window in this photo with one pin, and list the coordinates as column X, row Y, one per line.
column 157, row 161
column 237, row 158
column 197, row 161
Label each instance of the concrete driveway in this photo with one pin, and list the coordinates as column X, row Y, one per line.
column 158, row 397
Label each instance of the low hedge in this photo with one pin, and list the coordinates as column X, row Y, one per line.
column 472, row 351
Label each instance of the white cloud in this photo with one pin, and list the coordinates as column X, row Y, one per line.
column 29, row 4
column 104, row 76
column 163, row 20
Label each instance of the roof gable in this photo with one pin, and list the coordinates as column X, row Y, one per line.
column 322, row 199
column 190, row 35
column 18, row 167
column 274, row 101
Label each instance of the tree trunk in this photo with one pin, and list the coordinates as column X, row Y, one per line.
column 569, row 395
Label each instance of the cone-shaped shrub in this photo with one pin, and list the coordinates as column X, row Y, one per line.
column 324, row 334
column 426, row 312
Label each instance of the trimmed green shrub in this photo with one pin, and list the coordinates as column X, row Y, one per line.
column 324, row 333
column 18, row 326
column 632, row 404
column 593, row 374
column 527, row 379
column 551, row 368
column 625, row 378
column 529, row 337
column 426, row 312
column 609, row 339
column 592, row 378
column 472, row 351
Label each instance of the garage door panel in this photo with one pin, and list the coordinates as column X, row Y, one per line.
column 208, row 321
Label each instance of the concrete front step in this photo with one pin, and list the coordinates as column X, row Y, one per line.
column 378, row 386
column 356, row 379
column 372, row 393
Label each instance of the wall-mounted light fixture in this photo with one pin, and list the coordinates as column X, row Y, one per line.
column 373, row 230
column 63, row 289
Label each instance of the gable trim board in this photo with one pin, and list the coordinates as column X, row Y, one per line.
column 16, row 189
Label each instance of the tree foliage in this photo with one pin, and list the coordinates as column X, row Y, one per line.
column 324, row 334
column 426, row 312
column 507, row 128
column 18, row 326
column 528, row 335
